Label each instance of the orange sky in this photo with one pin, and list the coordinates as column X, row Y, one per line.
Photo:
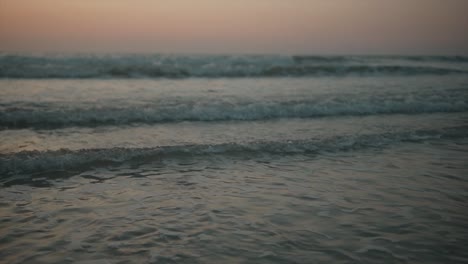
column 240, row 26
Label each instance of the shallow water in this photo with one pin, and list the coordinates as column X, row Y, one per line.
column 403, row 204
column 331, row 160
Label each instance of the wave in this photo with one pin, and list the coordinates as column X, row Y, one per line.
column 36, row 162
column 370, row 58
column 178, row 66
column 325, row 70
column 452, row 59
column 45, row 116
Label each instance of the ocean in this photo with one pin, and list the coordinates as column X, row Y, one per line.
column 131, row 158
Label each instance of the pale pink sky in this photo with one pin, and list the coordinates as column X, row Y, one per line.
column 235, row 26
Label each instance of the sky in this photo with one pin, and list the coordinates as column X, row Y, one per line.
column 240, row 26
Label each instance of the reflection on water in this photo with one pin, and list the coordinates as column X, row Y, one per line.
column 402, row 204
column 353, row 160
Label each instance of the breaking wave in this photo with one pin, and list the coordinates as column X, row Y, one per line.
column 67, row 160
column 178, row 66
column 44, row 116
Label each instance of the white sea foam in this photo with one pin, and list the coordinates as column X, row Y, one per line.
column 47, row 115
column 78, row 160
column 178, row 66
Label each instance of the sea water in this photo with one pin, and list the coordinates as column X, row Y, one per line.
column 233, row 159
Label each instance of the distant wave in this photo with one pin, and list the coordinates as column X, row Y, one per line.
column 346, row 59
column 46, row 116
column 178, row 66
column 81, row 160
